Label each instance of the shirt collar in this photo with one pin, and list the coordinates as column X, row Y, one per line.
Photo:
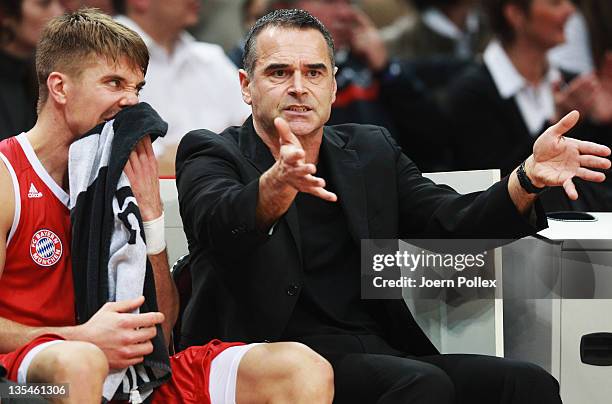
column 441, row 24
column 507, row 79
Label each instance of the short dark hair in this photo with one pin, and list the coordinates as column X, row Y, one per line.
column 9, row 9
column 284, row 18
column 499, row 24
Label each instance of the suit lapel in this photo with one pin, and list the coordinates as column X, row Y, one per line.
column 347, row 178
column 258, row 154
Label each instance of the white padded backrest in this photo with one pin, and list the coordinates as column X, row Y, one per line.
column 476, row 326
column 175, row 236
column 465, row 182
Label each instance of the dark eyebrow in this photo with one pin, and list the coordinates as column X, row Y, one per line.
column 317, row 66
column 275, row 66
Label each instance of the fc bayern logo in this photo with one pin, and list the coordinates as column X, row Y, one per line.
column 46, row 248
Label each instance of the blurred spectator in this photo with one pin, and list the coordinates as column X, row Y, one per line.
column 103, row 5
column 589, row 48
column 252, row 10
column 385, row 12
column 574, row 56
column 443, row 27
column 499, row 107
column 191, row 84
column 589, row 38
column 598, row 15
column 219, row 22
column 21, row 24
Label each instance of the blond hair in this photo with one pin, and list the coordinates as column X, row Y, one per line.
column 69, row 42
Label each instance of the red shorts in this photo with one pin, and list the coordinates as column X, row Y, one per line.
column 190, row 374
column 11, row 361
column 190, row 370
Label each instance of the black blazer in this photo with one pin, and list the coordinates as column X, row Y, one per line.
column 487, row 131
column 245, row 281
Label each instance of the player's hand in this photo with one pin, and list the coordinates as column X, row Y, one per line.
column 142, row 171
column 124, row 337
column 291, row 168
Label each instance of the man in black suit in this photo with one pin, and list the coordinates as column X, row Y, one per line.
column 275, row 248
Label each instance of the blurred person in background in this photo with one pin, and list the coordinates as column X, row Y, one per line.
column 443, row 27
column 498, row 108
column 103, row 5
column 588, row 35
column 219, row 22
column 385, row 12
column 21, row 24
column 252, row 10
column 589, row 48
column 191, row 84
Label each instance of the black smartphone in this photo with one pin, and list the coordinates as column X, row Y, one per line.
column 570, row 216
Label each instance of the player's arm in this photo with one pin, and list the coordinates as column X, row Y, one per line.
column 142, row 171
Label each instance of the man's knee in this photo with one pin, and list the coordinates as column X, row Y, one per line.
column 428, row 383
column 69, row 361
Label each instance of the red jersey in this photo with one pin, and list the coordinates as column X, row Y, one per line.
column 36, row 286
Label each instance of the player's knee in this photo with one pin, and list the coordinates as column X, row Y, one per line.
column 79, row 361
column 308, row 374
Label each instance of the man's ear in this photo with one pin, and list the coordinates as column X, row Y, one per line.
column 57, row 86
column 335, row 89
column 244, row 86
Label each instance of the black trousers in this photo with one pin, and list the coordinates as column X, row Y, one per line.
column 368, row 371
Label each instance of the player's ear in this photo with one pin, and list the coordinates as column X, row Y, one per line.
column 57, row 85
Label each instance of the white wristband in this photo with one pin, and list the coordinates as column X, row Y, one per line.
column 154, row 231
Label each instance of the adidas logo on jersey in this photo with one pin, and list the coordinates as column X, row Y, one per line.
column 33, row 192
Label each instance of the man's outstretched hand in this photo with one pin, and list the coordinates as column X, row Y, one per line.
column 557, row 159
column 289, row 175
column 292, row 168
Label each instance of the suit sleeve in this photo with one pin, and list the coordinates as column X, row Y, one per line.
column 217, row 204
column 430, row 210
